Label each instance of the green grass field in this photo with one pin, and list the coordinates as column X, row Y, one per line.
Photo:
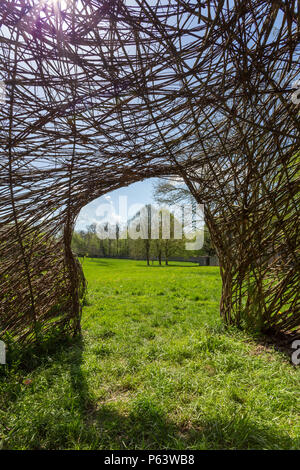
column 154, row 369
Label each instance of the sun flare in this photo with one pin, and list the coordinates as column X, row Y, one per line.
column 60, row 4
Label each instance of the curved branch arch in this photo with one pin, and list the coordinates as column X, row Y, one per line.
column 100, row 94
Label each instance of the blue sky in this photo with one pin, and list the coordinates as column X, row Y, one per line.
column 137, row 193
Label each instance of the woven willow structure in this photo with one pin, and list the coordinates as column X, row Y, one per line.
column 103, row 93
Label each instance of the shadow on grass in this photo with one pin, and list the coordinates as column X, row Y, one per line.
column 281, row 341
column 31, row 357
column 77, row 377
column 75, row 419
column 202, row 269
column 99, row 261
column 144, row 424
column 169, row 266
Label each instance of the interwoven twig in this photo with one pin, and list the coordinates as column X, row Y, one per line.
column 103, row 93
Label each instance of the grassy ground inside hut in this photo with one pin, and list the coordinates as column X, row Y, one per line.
column 154, row 369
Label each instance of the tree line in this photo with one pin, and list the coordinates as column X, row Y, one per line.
column 87, row 243
column 139, row 243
